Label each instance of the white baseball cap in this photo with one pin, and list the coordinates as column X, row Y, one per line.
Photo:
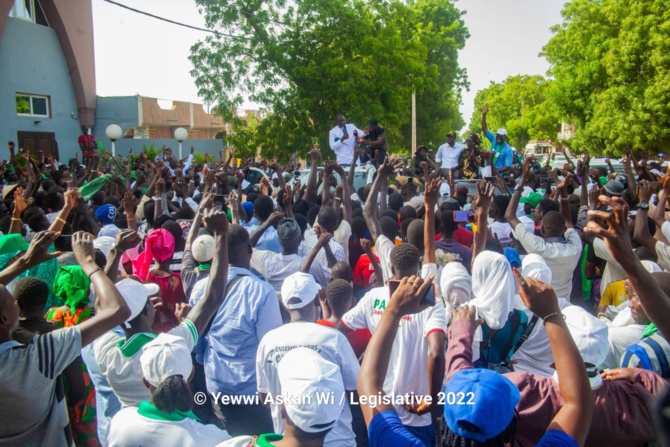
column 136, row 294
column 203, row 248
column 312, row 388
column 589, row 333
column 166, row 355
column 301, row 286
column 501, row 131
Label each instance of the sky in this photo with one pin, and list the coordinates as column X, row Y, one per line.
column 136, row 54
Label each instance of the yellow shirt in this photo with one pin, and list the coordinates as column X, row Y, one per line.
column 614, row 294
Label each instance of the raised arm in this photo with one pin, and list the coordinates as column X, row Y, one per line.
column 311, row 192
column 110, row 308
column 574, row 417
column 36, row 254
column 274, row 219
column 71, row 197
column 346, row 193
column 323, row 241
column 641, row 231
column 325, row 190
column 369, row 210
column 510, row 213
column 564, row 206
column 366, row 245
column 481, row 205
column 204, row 310
column 430, row 201
column 125, row 240
column 614, row 231
column 628, row 169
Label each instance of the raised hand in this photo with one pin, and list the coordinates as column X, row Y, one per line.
column 484, row 194
column 466, row 313
column 314, row 155
column 539, row 297
column 644, row 190
column 127, row 239
column 159, row 186
column 82, row 246
column 20, row 204
column 613, row 229
column 563, row 186
column 128, row 202
column 288, row 197
column 324, row 237
column 366, row 245
column 432, row 193
column 485, row 110
column 38, row 250
column 216, row 222
column 407, row 297
column 71, row 197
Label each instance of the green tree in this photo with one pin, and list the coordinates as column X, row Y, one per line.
column 520, row 105
column 611, row 62
column 307, row 60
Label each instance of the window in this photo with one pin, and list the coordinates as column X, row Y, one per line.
column 32, row 105
column 29, row 10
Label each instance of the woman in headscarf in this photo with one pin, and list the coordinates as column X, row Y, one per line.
column 73, row 287
column 471, row 158
column 455, row 286
column 494, row 287
column 153, row 265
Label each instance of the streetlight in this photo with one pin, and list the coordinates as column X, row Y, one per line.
column 180, row 134
column 114, row 132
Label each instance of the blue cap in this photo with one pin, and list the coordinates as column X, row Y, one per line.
column 513, row 257
column 106, row 214
column 248, row 208
column 482, row 398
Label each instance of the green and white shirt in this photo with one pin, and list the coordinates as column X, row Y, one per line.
column 119, row 361
column 147, row 426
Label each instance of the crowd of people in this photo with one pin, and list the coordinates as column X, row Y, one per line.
column 165, row 302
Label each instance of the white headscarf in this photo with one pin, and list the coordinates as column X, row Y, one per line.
column 494, row 287
column 534, row 266
column 652, row 267
column 455, row 286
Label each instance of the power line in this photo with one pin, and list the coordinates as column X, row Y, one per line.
column 185, row 25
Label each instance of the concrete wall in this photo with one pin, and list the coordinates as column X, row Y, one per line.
column 201, row 146
column 31, row 61
column 120, row 110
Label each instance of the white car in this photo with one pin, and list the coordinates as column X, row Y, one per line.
column 362, row 175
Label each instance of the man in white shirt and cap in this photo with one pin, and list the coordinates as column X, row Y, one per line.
column 342, row 140
column 299, row 296
column 448, row 154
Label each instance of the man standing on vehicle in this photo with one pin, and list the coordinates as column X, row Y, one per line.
column 342, row 140
column 376, row 141
column 448, row 155
column 502, row 152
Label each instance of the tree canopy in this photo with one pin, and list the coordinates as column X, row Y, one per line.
column 611, row 62
column 304, row 61
column 519, row 104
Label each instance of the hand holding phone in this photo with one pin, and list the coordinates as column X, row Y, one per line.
column 463, row 216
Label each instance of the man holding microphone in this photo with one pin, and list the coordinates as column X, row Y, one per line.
column 342, row 141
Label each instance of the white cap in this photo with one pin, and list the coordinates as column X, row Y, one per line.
column 104, row 244
column 203, row 248
column 136, row 294
column 299, row 285
column 589, row 333
column 445, row 190
column 167, row 355
column 501, row 131
column 275, row 176
column 312, row 388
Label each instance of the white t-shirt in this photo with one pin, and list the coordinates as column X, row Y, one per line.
column 119, row 361
column 503, row 232
column 383, row 247
column 331, row 345
column 132, row 428
column 408, row 366
column 447, row 156
column 276, row 267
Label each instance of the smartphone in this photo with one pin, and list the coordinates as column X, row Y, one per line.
column 463, row 216
column 490, row 179
column 428, row 298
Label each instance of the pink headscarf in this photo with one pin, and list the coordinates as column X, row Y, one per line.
column 158, row 245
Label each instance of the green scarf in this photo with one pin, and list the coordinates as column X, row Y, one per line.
column 72, row 286
column 88, row 190
column 587, row 284
column 650, row 330
column 11, row 243
column 205, row 266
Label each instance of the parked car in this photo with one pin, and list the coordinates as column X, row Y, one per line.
column 360, row 176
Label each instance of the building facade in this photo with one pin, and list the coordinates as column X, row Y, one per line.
column 47, row 74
